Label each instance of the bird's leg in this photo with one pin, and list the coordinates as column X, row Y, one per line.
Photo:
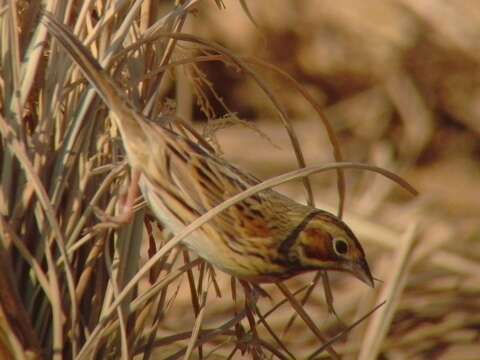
column 251, row 297
column 259, row 292
column 329, row 297
column 126, row 205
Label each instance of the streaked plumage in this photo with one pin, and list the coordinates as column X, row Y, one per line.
column 266, row 237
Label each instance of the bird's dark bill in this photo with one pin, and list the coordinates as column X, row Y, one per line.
column 362, row 272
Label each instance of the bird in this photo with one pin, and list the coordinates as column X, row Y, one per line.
column 267, row 237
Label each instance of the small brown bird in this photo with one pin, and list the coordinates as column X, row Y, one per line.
column 267, row 237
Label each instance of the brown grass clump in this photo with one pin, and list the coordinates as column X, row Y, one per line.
column 398, row 82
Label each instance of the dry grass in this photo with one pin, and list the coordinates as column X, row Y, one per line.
column 398, row 81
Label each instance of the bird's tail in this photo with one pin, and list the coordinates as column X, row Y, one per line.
column 130, row 122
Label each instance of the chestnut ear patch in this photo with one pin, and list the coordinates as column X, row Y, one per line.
column 319, row 245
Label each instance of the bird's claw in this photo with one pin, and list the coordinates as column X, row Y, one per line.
column 113, row 221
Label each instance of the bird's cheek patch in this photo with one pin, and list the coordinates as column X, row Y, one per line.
column 317, row 245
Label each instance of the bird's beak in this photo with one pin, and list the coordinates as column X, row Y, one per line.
column 362, row 272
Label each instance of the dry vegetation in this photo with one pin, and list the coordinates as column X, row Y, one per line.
column 399, row 82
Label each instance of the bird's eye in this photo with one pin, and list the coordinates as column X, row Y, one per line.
column 340, row 246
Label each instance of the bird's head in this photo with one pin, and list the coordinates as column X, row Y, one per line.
column 324, row 242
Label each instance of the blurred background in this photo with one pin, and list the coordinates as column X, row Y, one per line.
column 399, row 82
